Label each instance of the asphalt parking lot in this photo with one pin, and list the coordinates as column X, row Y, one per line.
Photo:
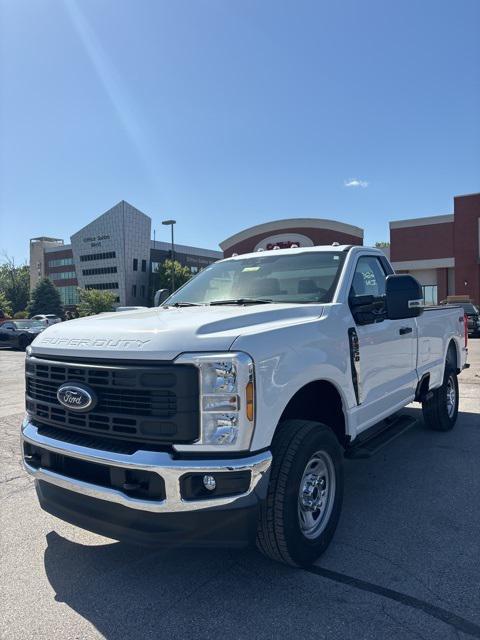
column 405, row 562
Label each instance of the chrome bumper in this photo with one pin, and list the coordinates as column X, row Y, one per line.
column 163, row 463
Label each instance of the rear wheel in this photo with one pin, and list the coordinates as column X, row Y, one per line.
column 440, row 410
column 301, row 512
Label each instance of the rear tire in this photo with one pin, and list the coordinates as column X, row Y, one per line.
column 304, row 500
column 440, row 411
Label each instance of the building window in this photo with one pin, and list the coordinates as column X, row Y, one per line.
column 102, row 286
column 135, row 264
column 63, row 275
column 142, row 291
column 98, row 271
column 430, row 294
column 144, row 265
column 69, row 295
column 134, row 290
column 60, row 262
column 98, row 256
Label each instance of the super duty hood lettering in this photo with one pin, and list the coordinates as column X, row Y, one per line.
column 103, row 343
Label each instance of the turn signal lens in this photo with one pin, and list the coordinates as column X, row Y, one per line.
column 250, row 405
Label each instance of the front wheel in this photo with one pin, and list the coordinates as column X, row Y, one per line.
column 23, row 343
column 304, row 500
column 440, row 410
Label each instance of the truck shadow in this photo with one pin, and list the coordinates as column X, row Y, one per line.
column 130, row 592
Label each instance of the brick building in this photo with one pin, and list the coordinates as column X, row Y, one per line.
column 442, row 252
column 304, row 232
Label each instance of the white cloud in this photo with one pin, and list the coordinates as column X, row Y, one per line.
column 355, row 182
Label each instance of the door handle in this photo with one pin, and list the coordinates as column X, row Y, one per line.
column 404, row 330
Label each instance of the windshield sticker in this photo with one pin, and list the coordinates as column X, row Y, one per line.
column 250, row 269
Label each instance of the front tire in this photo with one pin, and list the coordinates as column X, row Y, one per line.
column 304, row 500
column 440, row 411
column 22, row 343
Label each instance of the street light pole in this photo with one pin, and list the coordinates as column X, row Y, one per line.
column 170, row 223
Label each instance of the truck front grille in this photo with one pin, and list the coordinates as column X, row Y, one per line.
column 156, row 403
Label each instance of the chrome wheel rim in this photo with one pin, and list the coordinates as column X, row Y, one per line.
column 451, row 397
column 316, row 495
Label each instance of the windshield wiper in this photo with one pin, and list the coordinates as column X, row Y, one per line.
column 184, row 304
column 242, row 301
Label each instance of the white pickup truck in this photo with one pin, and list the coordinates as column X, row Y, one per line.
column 223, row 416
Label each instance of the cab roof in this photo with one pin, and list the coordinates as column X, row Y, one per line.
column 294, row 250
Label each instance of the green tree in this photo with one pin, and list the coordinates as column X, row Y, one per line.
column 162, row 277
column 45, row 299
column 5, row 306
column 94, row 301
column 382, row 244
column 15, row 283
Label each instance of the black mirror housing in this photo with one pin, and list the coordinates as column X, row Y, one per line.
column 404, row 297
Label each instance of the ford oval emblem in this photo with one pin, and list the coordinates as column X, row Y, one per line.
column 76, row 397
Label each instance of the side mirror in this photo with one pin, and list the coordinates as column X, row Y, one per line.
column 404, row 297
column 160, row 296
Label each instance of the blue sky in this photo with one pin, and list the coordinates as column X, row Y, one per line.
column 227, row 113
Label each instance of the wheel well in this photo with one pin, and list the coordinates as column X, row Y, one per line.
column 321, row 402
column 452, row 355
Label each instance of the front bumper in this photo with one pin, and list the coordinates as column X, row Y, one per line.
column 216, row 521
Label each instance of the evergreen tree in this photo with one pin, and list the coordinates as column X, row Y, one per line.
column 45, row 299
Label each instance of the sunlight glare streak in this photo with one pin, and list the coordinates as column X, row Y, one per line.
column 114, row 88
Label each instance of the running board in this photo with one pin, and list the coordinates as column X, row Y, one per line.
column 369, row 447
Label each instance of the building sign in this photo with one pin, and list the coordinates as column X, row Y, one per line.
column 284, row 241
column 96, row 241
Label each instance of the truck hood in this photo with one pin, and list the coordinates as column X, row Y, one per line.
column 162, row 333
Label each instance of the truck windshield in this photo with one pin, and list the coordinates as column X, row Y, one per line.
column 469, row 309
column 296, row 277
column 29, row 324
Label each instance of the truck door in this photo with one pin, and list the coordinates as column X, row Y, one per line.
column 386, row 369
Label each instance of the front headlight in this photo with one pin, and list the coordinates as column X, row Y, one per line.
column 227, row 397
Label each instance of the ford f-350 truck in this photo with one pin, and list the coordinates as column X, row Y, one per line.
column 222, row 417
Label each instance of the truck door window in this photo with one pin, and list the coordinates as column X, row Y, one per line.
column 369, row 278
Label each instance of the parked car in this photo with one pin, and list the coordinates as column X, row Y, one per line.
column 223, row 417
column 19, row 333
column 47, row 318
column 473, row 318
